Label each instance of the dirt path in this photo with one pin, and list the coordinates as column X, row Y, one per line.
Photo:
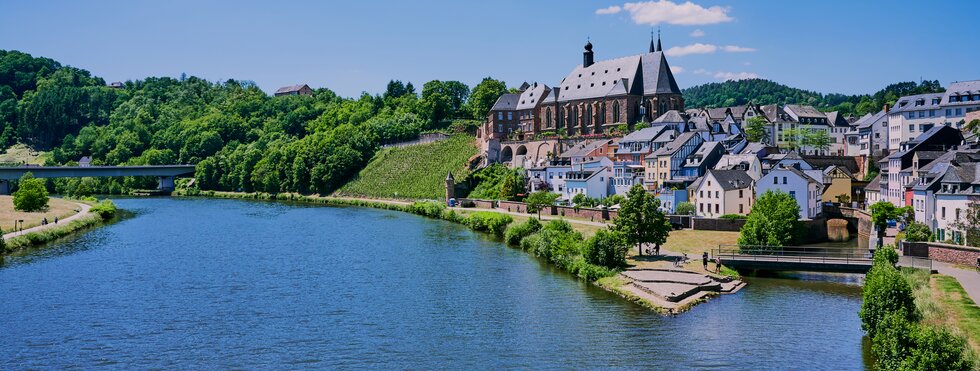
column 84, row 211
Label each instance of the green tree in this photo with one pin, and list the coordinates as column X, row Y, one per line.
column 539, row 200
column 773, row 221
column 885, row 292
column 882, row 212
column 606, row 248
column 684, row 208
column 483, row 97
column 756, row 131
column 917, row 232
column 970, row 222
column 973, row 126
column 31, row 194
column 640, row 220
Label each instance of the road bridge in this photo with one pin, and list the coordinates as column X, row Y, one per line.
column 165, row 174
column 796, row 258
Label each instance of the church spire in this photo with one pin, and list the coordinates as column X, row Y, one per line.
column 659, row 48
column 653, row 45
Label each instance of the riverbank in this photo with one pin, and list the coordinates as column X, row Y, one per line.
column 944, row 303
column 662, row 293
column 90, row 214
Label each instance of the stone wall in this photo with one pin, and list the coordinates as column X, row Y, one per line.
column 519, row 207
column 942, row 252
column 716, row 224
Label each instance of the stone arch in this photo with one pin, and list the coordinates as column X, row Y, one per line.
column 506, row 154
column 521, row 151
column 541, row 153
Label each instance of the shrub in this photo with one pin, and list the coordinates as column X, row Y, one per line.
column 904, row 345
column 590, row 272
column 430, row 209
column 559, row 225
column 515, row 233
column 606, row 248
column 773, row 221
column 886, row 256
column 485, row 221
column 555, row 246
column 886, row 291
column 31, row 194
column 684, row 208
column 106, row 209
column 917, row 232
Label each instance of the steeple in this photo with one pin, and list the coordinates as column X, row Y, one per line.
column 659, row 48
column 588, row 58
column 653, row 45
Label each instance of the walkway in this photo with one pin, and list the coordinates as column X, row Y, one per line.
column 968, row 278
column 84, row 211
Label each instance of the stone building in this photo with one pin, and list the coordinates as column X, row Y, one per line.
column 301, row 89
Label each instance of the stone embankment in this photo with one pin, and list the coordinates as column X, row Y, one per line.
column 676, row 288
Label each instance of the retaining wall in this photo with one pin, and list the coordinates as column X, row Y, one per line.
column 942, row 252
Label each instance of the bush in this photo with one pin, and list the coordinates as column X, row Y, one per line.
column 607, row 248
column 31, row 194
column 886, row 292
column 886, row 256
column 485, row 221
column 430, row 209
column 558, row 247
column 773, row 221
column 917, row 232
column 559, row 225
column 904, row 345
column 684, row 208
column 590, row 272
column 106, row 209
column 515, row 233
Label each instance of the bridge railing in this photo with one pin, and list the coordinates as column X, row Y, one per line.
column 799, row 254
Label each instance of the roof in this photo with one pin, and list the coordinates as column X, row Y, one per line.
column 699, row 123
column 583, row 149
column 796, row 171
column 506, row 102
column 672, row 116
column 665, row 136
column 823, row 162
column 753, row 148
column 874, row 184
column 804, row 111
column 717, row 113
column 729, row 161
column 928, row 155
column 739, row 111
column 871, row 119
column 910, row 100
column 836, row 119
column 962, row 88
column 291, row 88
column 531, row 96
column 675, row 145
column 731, row 179
column 637, row 74
column 642, row 135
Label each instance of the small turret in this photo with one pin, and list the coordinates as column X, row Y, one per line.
column 588, row 58
column 450, row 187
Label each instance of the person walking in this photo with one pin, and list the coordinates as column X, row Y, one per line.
column 704, row 260
column 56, row 220
column 717, row 264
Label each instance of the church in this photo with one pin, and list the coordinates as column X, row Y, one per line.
column 593, row 98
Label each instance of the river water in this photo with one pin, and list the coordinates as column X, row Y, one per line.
column 194, row 283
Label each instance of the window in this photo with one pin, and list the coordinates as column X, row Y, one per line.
column 911, row 127
column 949, row 112
column 775, row 180
column 784, row 180
column 500, row 115
column 510, row 115
column 700, row 193
column 740, row 208
column 616, row 112
column 911, row 115
column 740, row 193
column 943, row 213
column 701, row 206
column 716, row 209
column 922, row 114
column 792, row 194
column 547, row 117
column 716, row 195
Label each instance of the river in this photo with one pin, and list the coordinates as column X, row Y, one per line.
column 195, row 283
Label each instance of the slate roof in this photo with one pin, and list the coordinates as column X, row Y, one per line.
column 871, row 119
column 699, row 123
column 963, row 88
column 739, row 111
column 506, row 102
column 874, row 184
column 836, row 119
column 823, row 162
column 731, row 179
column 583, row 149
column 775, row 113
column 910, row 103
column 730, row 161
column 642, row 135
column 666, row 136
column 672, row 116
column 290, row 89
column 753, row 148
column 805, row 111
column 674, row 146
column 717, row 113
column 637, row 74
column 531, row 96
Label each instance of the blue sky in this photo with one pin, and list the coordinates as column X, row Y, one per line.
column 354, row 46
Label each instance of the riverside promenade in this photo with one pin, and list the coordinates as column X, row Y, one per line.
column 83, row 211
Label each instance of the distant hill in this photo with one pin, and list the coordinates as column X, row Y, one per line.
column 760, row 91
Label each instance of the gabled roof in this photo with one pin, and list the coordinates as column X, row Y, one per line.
column 716, row 113
column 962, row 88
column 506, row 102
column 796, row 171
column 657, row 77
column 672, row 116
column 666, row 136
column 804, row 111
column 907, row 103
column 775, row 113
column 531, row 96
column 823, row 162
column 643, row 135
column 836, row 119
column 675, row 145
column 874, row 185
column 753, row 148
column 871, row 119
column 636, row 74
column 731, row 179
column 291, row 88
column 583, row 149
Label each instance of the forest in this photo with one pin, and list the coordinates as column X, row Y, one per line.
column 763, row 92
column 241, row 138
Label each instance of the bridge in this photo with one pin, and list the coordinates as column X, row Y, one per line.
column 795, row 258
column 165, row 174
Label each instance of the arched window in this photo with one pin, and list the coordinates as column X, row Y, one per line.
column 574, row 121
column 616, row 112
column 547, row 117
column 602, row 114
column 588, row 115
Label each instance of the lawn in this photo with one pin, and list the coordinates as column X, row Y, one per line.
column 414, row 172
column 587, row 230
column 19, row 154
column 56, row 208
column 943, row 302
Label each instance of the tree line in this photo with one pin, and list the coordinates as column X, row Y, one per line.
column 241, row 138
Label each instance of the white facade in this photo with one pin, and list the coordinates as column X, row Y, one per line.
column 801, row 187
column 715, row 200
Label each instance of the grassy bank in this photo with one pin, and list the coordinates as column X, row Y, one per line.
column 413, row 172
column 99, row 213
column 943, row 302
column 57, row 208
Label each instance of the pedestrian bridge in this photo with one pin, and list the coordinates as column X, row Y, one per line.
column 165, row 173
column 796, row 258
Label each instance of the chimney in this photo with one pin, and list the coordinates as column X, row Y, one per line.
column 588, row 57
column 885, row 108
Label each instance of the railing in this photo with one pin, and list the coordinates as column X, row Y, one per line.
column 794, row 254
column 915, row 262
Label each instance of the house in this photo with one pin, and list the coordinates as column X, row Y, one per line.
column 555, row 174
column 665, row 164
column 912, row 116
column 117, row 85
column 301, row 89
column 896, row 169
column 527, row 107
column 943, row 189
column 790, row 179
column 804, row 118
column 748, row 163
column 638, row 144
column 872, row 192
column 587, row 151
column 589, row 178
column 85, row 161
column 839, row 131
column 840, row 184
column 502, row 120
column 873, row 134
column 698, row 163
column 722, row 192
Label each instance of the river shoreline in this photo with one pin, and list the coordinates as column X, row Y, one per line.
column 619, row 284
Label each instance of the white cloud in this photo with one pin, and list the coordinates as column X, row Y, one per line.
column 747, row 63
column 676, row 69
column 610, row 10
column 725, row 76
column 697, row 33
column 697, row 48
column 737, row 49
column 701, row 71
column 669, row 12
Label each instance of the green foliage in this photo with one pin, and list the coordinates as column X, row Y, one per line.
column 489, row 181
column 31, row 194
column 886, row 292
column 883, row 211
column 800, row 138
column 106, row 209
column 485, row 221
column 512, row 185
column 612, row 200
column 515, row 233
column 684, row 208
column 917, row 232
column 581, row 200
column 606, row 248
column 417, row 171
column 886, row 256
column 773, row 221
column 640, row 221
column 484, row 95
column 640, row 126
column 970, row 222
column 539, row 200
column 755, row 130
column 430, row 209
column 442, row 100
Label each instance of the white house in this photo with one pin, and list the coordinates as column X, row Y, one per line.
column 748, row 163
column 723, row 192
column 788, row 179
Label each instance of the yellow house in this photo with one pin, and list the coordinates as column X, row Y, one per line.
column 840, row 184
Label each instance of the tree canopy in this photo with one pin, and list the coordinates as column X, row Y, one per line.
column 640, row 220
column 773, row 221
column 31, row 194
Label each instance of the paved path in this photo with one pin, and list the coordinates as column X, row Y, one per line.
column 968, row 278
column 543, row 216
column 84, row 211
